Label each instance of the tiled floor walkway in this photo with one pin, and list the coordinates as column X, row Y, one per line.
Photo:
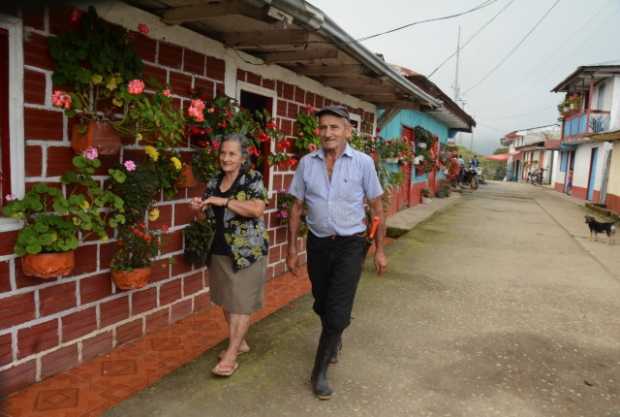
column 92, row 388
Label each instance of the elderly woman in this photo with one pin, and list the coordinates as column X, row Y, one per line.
column 237, row 267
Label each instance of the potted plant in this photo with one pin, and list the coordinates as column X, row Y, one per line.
column 307, row 127
column 91, row 65
column 54, row 223
column 131, row 263
column 198, row 237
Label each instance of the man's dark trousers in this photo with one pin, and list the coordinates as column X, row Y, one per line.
column 334, row 267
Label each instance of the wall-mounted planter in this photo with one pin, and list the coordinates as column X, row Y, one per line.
column 100, row 135
column 48, row 265
column 129, row 280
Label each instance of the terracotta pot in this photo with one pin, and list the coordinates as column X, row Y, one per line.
column 129, row 280
column 186, row 177
column 99, row 135
column 49, row 265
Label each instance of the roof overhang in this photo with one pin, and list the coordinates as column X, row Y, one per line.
column 298, row 36
column 613, row 135
column 580, row 79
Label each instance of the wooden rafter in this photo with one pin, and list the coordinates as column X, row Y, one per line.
column 351, row 81
column 194, row 13
column 330, row 70
column 300, row 56
column 265, row 38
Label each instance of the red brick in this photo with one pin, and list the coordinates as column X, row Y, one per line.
column 129, row 331
column 6, row 349
column 157, row 320
column 42, row 124
column 288, row 91
column 172, row 242
column 59, row 360
column 286, row 127
column 36, row 51
column 181, row 310
column 309, row 98
column 270, row 84
column 106, row 252
column 170, row 55
column 181, row 84
column 288, row 178
column 192, row 284
column 142, row 301
column 180, row 265
column 281, row 108
column 60, row 19
column 114, row 311
column 37, row 338
column 34, row 161
column 253, row 78
column 300, row 95
column 274, row 254
column 160, row 270
column 280, row 88
column 7, row 242
column 34, row 87
column 85, row 259
column 281, row 235
column 183, row 214
column 17, row 377
column 57, row 298
column 203, row 88
column 22, row 280
column 202, row 301
column 16, row 310
column 279, row 269
column 59, row 160
column 293, row 109
column 95, row 288
column 319, row 101
column 79, row 324
column 5, row 279
column 241, row 74
column 216, row 68
column 170, row 292
column 144, row 46
column 155, row 76
column 193, row 62
column 34, row 17
column 97, row 345
column 219, row 89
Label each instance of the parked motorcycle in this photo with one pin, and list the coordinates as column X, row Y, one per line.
column 471, row 178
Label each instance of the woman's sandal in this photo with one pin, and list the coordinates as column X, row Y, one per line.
column 226, row 372
column 239, row 352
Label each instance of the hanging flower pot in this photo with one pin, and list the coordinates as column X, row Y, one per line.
column 186, row 177
column 391, row 160
column 98, row 135
column 49, row 265
column 129, row 280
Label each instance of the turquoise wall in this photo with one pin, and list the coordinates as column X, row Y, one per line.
column 412, row 118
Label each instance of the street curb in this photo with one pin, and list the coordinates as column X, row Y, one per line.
column 604, row 211
column 396, row 232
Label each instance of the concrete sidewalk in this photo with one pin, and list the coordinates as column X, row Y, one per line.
column 405, row 220
column 492, row 307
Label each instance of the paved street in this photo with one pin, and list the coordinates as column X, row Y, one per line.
column 496, row 306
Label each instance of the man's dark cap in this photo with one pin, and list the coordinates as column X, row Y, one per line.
column 339, row 111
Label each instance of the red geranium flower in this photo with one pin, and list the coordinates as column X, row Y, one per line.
column 263, row 137
column 144, row 29
column 252, row 150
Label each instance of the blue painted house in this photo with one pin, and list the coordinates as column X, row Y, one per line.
column 443, row 122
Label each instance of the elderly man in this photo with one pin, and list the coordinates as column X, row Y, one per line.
column 334, row 182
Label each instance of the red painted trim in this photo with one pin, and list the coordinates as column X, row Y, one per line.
column 579, row 192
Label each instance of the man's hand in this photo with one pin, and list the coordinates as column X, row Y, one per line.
column 380, row 262
column 291, row 260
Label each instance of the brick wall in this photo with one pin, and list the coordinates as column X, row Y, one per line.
column 50, row 326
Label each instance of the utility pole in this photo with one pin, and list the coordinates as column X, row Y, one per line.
column 457, row 87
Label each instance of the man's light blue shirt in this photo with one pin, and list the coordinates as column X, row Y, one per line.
column 336, row 207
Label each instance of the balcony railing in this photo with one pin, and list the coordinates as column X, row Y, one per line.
column 578, row 124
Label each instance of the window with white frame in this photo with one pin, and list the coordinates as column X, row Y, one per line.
column 11, row 112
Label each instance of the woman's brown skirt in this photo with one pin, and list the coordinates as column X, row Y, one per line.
column 238, row 292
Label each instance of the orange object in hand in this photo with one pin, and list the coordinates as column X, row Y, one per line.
column 373, row 227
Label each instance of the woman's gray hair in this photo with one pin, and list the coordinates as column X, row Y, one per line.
column 244, row 143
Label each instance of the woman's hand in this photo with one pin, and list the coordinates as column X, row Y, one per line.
column 216, row 201
column 197, row 204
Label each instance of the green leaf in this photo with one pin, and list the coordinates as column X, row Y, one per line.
column 33, row 248
column 80, row 162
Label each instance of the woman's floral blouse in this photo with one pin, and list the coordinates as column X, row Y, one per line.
column 247, row 237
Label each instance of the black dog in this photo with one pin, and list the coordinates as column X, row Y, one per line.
column 597, row 227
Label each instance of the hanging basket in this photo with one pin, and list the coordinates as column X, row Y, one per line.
column 186, row 177
column 100, row 135
column 49, row 265
column 129, row 280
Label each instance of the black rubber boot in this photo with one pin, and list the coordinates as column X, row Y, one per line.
column 320, row 385
column 334, row 358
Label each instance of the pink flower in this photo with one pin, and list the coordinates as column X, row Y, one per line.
column 10, row 197
column 90, row 153
column 61, row 99
column 312, row 147
column 129, row 165
column 143, row 28
column 216, row 144
column 135, row 87
column 166, row 92
column 283, row 214
column 196, row 110
column 76, row 15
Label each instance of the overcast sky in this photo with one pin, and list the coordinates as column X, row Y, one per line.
column 516, row 96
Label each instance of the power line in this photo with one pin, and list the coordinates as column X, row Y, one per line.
column 471, row 38
column 434, row 19
column 515, row 48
